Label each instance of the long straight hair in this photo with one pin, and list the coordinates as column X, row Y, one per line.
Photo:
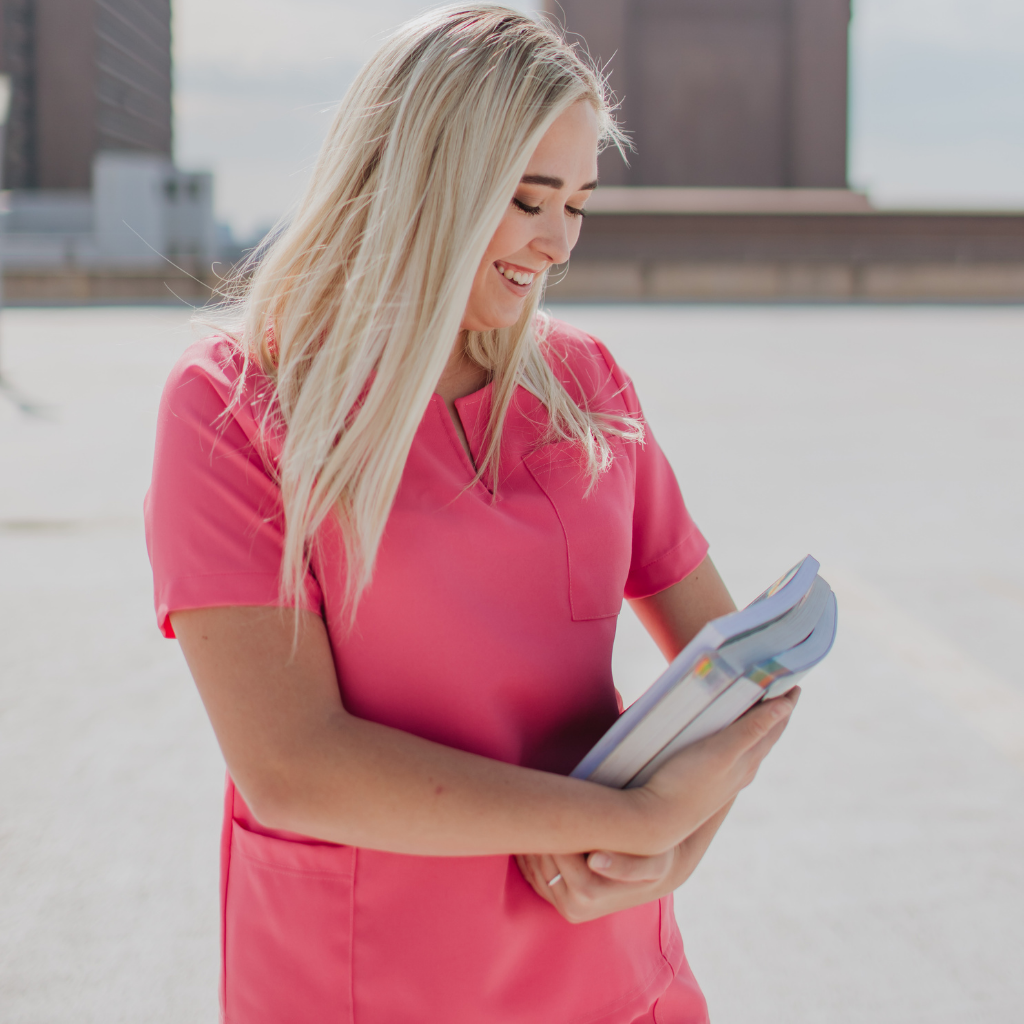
column 353, row 308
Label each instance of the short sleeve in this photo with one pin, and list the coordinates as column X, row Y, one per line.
column 214, row 527
column 667, row 545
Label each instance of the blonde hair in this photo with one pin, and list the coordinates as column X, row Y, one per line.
column 354, row 308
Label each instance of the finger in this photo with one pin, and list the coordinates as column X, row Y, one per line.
column 578, row 893
column 750, row 761
column 549, row 873
column 792, row 695
column 777, row 709
column 742, row 746
column 771, row 737
column 572, row 871
column 760, row 721
column 530, row 867
column 624, row 867
column 547, row 877
column 577, row 885
column 526, row 868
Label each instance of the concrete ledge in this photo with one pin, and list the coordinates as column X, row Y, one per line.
column 617, row 279
column 975, row 281
column 799, row 244
column 24, row 287
column 635, row 280
column 665, row 200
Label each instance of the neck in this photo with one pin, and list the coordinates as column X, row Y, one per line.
column 461, row 376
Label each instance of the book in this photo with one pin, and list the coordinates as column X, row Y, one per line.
column 758, row 651
column 769, row 678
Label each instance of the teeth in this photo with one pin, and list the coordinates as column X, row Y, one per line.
column 516, row 275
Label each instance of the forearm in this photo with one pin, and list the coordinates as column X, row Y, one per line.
column 369, row 785
column 690, row 852
column 304, row 764
column 674, row 616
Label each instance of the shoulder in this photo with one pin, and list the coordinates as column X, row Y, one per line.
column 211, row 364
column 584, row 365
column 211, row 380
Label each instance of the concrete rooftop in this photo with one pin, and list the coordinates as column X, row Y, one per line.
column 875, row 869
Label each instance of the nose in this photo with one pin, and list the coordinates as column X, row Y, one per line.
column 553, row 241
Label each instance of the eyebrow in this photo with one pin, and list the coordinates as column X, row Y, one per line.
column 545, row 179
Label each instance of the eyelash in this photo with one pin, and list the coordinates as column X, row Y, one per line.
column 534, row 210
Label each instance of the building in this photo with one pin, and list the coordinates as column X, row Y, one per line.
column 96, row 205
column 737, row 189
column 88, row 76
column 723, row 93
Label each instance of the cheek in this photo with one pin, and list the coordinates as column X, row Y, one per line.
column 512, row 236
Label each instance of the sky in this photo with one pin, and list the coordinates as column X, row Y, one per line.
column 936, row 97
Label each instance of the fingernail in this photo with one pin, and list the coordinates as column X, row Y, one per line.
column 600, row 860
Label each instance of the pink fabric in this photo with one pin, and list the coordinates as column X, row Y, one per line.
column 488, row 627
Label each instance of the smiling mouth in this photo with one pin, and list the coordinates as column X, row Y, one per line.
column 522, row 278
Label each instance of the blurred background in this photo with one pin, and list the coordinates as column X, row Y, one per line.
column 813, row 267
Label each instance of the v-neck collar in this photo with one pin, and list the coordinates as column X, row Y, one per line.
column 470, row 409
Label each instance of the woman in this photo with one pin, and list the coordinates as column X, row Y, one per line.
column 452, row 497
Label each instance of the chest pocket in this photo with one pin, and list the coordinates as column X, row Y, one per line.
column 598, row 527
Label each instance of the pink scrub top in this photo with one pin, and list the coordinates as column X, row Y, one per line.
column 488, row 627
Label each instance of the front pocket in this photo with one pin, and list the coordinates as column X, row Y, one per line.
column 598, row 526
column 288, row 931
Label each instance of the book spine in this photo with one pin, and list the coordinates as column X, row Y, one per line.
column 705, row 642
column 708, row 678
column 723, row 711
column 784, row 684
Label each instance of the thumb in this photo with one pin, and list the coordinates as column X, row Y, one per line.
column 624, row 867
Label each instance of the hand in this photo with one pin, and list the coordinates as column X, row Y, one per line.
column 693, row 785
column 583, row 887
column 587, row 887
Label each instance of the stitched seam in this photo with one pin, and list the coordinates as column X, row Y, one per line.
column 352, row 939
column 221, row 575
column 295, row 872
column 574, row 614
column 565, row 535
column 228, row 825
column 665, row 554
column 605, row 1014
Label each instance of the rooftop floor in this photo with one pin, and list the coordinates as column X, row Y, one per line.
column 875, row 869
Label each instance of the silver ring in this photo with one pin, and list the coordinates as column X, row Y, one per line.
column 557, row 878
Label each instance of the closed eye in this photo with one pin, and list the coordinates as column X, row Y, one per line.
column 573, row 211
column 520, row 205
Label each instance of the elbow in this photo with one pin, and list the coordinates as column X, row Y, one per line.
column 271, row 798
column 269, row 814
column 288, row 785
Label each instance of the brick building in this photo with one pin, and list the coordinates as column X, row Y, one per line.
column 723, row 93
column 88, row 76
column 738, row 188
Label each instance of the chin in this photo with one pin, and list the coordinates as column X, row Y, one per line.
column 495, row 318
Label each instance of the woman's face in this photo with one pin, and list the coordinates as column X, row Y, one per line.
column 542, row 223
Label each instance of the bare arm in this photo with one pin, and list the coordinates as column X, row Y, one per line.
column 304, row 764
column 676, row 615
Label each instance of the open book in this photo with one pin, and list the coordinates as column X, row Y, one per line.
column 732, row 663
